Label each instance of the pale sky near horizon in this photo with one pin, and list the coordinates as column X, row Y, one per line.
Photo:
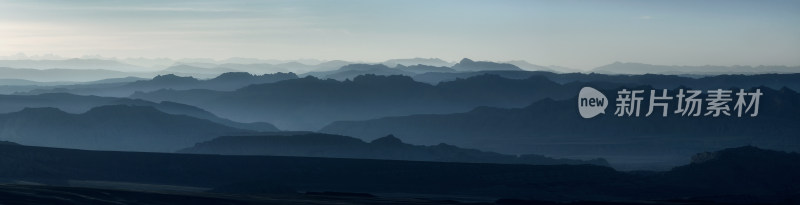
column 578, row 34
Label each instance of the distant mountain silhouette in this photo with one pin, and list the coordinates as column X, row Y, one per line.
column 554, row 128
column 79, row 104
column 438, row 77
column 412, row 67
column 60, row 74
column 641, row 68
column 468, row 65
column 320, row 102
column 182, row 68
column 113, row 80
column 224, row 82
column 389, row 147
column 266, row 67
column 22, row 82
column 369, row 96
column 353, row 70
column 13, row 86
column 433, row 62
column 419, row 68
column 113, row 127
column 775, row 81
column 209, row 68
column 73, row 63
column 262, row 68
column 525, row 65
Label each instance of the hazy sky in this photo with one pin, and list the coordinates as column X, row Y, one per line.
column 581, row 34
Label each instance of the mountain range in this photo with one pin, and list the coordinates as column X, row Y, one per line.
column 467, row 64
column 74, row 69
column 123, row 87
column 373, row 96
column 474, row 96
column 660, row 81
column 554, row 127
column 224, row 82
column 78, row 104
column 641, row 68
column 388, row 147
column 435, row 62
column 354, row 70
column 112, row 127
column 320, row 102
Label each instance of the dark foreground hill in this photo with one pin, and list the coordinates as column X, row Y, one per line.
column 337, row 146
column 720, row 173
column 770, row 180
column 113, row 127
column 41, row 194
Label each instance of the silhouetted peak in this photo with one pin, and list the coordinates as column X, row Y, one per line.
column 282, row 74
column 388, row 140
column 241, row 77
column 234, row 76
column 172, row 77
column 364, row 67
column 469, row 65
column 417, row 61
column 41, row 110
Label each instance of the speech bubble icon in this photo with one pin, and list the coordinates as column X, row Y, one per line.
column 591, row 102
